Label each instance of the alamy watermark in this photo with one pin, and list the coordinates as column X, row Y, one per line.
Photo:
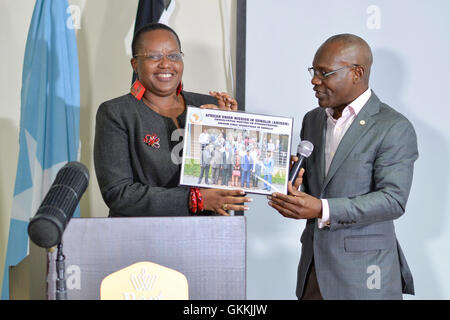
column 374, row 280
column 374, row 19
column 74, row 19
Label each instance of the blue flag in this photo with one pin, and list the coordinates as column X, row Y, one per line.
column 50, row 118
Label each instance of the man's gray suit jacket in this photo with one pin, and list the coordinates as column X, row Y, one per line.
column 367, row 187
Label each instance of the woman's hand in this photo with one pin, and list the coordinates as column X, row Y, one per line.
column 224, row 100
column 222, row 200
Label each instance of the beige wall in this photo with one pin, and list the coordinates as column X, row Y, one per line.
column 105, row 73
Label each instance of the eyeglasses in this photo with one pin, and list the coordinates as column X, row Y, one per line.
column 323, row 75
column 174, row 57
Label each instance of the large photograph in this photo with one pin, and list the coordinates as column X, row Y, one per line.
column 235, row 150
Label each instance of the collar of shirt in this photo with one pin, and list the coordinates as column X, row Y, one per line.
column 353, row 108
column 336, row 129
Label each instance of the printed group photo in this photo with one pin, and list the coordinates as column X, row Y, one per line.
column 237, row 152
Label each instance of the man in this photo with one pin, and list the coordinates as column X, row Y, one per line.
column 256, row 170
column 204, row 138
column 270, row 146
column 205, row 163
column 216, row 163
column 227, row 163
column 355, row 183
column 246, row 167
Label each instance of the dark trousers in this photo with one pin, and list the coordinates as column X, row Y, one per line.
column 226, row 173
column 311, row 290
column 245, row 179
column 204, row 170
column 215, row 173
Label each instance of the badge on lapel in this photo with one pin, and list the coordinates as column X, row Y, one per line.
column 152, row 140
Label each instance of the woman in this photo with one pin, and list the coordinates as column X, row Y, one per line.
column 134, row 136
column 236, row 170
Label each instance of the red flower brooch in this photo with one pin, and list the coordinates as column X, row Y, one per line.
column 152, row 140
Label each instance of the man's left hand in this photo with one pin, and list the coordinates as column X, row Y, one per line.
column 296, row 205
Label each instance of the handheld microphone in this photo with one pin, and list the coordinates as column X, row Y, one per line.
column 47, row 226
column 304, row 150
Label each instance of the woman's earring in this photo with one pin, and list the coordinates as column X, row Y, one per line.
column 137, row 90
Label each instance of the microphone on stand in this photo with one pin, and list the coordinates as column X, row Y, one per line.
column 47, row 226
column 304, row 150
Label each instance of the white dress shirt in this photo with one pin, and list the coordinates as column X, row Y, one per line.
column 336, row 130
column 203, row 138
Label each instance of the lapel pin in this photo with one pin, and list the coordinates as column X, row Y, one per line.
column 362, row 122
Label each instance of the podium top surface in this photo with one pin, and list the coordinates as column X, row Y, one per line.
column 99, row 230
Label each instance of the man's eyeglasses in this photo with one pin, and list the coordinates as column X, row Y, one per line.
column 322, row 75
column 174, row 57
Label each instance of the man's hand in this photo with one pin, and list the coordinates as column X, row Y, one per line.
column 296, row 205
column 299, row 180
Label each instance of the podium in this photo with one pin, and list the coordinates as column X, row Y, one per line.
column 209, row 251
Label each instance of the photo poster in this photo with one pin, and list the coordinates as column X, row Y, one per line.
column 236, row 150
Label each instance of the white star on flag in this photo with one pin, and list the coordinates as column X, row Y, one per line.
column 26, row 203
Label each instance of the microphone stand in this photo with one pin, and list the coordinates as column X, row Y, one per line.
column 61, row 291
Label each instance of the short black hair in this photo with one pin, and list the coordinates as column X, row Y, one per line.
column 147, row 28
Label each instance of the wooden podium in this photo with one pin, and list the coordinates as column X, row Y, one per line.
column 209, row 251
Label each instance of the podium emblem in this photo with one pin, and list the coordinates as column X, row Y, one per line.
column 145, row 281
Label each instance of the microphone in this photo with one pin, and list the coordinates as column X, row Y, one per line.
column 304, row 150
column 47, row 226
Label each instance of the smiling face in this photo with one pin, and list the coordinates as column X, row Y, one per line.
column 158, row 77
column 342, row 87
column 336, row 89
